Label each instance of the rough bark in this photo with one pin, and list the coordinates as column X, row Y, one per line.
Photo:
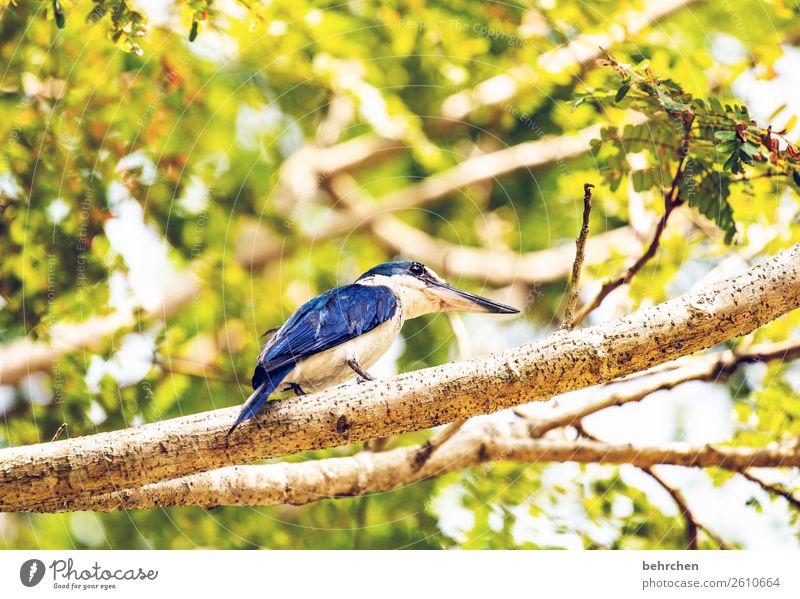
column 325, row 478
column 368, row 472
column 417, row 400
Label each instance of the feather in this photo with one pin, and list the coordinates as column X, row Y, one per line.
column 328, row 320
column 259, row 397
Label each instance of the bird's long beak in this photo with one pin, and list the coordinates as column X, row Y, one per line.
column 457, row 300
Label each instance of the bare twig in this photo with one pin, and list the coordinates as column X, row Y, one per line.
column 773, row 489
column 672, row 200
column 692, row 524
column 59, row 430
column 580, row 246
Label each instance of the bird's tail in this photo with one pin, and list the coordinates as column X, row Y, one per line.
column 260, row 395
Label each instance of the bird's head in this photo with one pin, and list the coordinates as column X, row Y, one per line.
column 422, row 291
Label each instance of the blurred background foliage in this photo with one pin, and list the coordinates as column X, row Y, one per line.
column 141, row 139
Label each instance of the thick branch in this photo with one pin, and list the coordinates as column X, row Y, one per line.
column 413, row 401
column 710, row 367
column 368, row 472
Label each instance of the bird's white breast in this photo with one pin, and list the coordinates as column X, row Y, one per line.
column 329, row 368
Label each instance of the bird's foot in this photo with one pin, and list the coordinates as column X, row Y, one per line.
column 298, row 390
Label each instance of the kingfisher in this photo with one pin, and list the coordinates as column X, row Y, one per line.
column 339, row 334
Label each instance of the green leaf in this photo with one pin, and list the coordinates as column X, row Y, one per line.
column 750, row 149
column 710, row 198
column 193, row 32
column 622, row 92
column 796, row 177
column 725, row 135
column 61, row 19
column 732, row 162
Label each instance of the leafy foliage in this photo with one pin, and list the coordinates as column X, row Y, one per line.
column 697, row 146
column 177, row 128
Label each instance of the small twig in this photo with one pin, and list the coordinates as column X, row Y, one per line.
column 692, row 525
column 60, row 430
column 773, row 489
column 672, row 200
column 580, row 247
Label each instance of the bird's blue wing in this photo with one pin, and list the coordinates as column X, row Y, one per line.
column 328, row 320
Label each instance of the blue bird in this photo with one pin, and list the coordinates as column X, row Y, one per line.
column 342, row 332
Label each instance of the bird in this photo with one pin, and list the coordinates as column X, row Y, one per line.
column 339, row 334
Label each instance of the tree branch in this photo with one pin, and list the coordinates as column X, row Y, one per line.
column 413, row 401
column 485, row 167
column 709, row 367
column 772, row 489
column 672, row 200
column 416, row 400
column 23, row 356
column 367, row 472
column 495, row 267
column 580, row 247
column 692, row 524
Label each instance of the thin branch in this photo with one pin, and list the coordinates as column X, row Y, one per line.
column 413, row 401
column 771, row 488
column 672, row 200
column 59, row 431
column 580, row 245
column 692, row 524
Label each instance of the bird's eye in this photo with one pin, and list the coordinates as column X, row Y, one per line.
column 416, row 269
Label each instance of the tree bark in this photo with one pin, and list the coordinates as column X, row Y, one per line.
column 368, row 472
column 417, row 400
